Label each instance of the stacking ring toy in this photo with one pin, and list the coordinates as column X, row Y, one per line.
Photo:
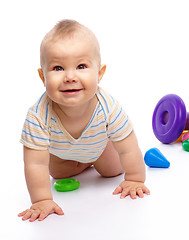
column 180, row 139
column 169, row 118
column 185, row 145
column 66, row 185
column 185, row 137
column 187, row 122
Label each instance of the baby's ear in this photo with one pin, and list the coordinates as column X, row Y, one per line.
column 40, row 71
column 101, row 72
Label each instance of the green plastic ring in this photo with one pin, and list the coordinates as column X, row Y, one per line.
column 66, row 185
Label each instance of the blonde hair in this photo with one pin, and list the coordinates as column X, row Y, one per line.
column 68, row 28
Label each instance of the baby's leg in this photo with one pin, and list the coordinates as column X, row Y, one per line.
column 108, row 164
column 60, row 168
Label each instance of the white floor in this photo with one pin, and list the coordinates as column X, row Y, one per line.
column 92, row 212
column 145, row 46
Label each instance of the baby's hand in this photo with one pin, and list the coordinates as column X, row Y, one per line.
column 131, row 188
column 41, row 210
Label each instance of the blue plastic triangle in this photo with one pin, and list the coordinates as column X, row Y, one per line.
column 154, row 158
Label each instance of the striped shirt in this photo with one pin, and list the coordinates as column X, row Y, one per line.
column 43, row 130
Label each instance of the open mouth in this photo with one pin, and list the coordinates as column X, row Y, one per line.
column 72, row 90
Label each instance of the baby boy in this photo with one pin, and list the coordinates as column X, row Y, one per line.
column 76, row 124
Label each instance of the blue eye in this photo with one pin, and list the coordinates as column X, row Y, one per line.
column 58, row 68
column 81, row 66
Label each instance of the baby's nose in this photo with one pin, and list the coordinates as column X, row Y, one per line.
column 70, row 76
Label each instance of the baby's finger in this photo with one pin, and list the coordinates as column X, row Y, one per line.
column 133, row 194
column 118, row 190
column 58, row 210
column 34, row 216
column 140, row 193
column 27, row 215
column 146, row 190
column 43, row 215
column 125, row 193
column 23, row 213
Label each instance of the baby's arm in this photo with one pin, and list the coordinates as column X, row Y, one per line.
column 133, row 164
column 38, row 183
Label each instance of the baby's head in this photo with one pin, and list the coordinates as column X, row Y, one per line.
column 70, row 63
column 69, row 29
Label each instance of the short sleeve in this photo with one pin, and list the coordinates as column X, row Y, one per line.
column 119, row 124
column 35, row 134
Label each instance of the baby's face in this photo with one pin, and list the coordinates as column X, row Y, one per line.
column 71, row 70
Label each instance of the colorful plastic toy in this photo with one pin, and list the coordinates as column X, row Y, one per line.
column 170, row 118
column 66, row 185
column 187, row 122
column 185, row 137
column 180, row 139
column 185, row 145
column 154, row 158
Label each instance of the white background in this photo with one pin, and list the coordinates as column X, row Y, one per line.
column 145, row 45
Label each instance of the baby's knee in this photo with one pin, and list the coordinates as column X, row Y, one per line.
column 55, row 175
column 109, row 173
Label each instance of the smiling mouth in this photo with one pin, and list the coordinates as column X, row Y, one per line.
column 71, row 91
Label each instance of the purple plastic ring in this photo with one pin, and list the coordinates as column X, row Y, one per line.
column 169, row 118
